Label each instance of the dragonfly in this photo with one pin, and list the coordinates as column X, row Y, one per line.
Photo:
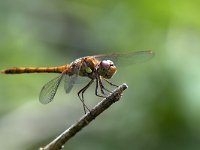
column 97, row 68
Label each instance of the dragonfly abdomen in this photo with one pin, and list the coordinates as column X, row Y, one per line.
column 20, row 70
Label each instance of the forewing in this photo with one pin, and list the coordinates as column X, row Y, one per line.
column 49, row 90
column 128, row 58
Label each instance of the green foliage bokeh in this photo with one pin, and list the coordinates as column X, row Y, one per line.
column 160, row 110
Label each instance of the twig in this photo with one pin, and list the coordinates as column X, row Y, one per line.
column 59, row 142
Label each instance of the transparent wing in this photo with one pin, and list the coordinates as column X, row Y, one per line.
column 49, row 89
column 69, row 82
column 128, row 58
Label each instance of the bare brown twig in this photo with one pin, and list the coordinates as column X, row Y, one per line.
column 59, row 142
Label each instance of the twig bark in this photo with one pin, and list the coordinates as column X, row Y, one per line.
column 59, row 142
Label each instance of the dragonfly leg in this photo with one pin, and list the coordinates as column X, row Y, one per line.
column 103, row 87
column 99, row 83
column 96, row 89
column 110, row 83
column 82, row 95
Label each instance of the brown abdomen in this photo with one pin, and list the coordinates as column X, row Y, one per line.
column 19, row 70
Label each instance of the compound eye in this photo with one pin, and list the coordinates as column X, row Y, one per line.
column 106, row 64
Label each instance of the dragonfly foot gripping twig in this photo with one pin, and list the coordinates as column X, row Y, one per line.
column 59, row 142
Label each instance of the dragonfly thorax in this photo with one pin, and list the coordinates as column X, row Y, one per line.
column 84, row 67
column 106, row 69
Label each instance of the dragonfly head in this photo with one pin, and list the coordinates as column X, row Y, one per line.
column 106, row 69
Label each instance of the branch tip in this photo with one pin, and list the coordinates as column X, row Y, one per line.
column 59, row 142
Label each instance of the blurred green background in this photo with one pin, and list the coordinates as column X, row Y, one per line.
column 160, row 109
